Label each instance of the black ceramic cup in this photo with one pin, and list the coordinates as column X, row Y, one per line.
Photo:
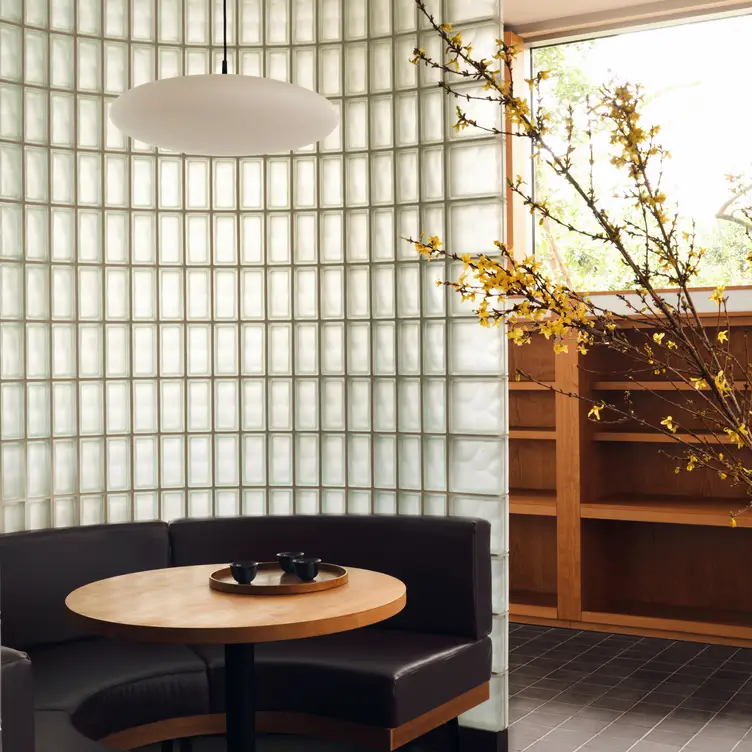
column 285, row 560
column 307, row 567
column 244, row 572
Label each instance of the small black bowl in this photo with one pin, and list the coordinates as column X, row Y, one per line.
column 307, row 567
column 285, row 560
column 244, row 572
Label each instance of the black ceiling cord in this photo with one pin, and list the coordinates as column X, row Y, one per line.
column 224, row 23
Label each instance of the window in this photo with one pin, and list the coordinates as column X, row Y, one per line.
column 694, row 79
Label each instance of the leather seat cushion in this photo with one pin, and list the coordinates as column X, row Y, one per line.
column 378, row 677
column 55, row 733
column 109, row 686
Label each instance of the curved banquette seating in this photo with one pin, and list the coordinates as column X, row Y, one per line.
column 380, row 686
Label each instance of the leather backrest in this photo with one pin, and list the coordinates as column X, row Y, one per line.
column 38, row 569
column 445, row 562
column 17, row 706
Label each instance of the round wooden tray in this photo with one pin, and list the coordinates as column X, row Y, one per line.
column 272, row 580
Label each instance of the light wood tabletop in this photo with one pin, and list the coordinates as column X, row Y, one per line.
column 176, row 605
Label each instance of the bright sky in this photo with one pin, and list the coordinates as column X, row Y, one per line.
column 701, row 72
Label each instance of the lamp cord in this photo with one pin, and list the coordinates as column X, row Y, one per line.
column 224, row 22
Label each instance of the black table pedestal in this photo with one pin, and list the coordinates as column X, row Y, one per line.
column 239, row 698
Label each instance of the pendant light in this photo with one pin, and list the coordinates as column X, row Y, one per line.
column 223, row 115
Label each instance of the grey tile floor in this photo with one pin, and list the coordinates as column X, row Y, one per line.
column 593, row 692
column 597, row 692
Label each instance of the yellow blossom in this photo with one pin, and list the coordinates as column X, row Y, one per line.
column 692, row 463
column 658, row 337
column 733, row 519
column 721, row 383
column 595, row 411
column 560, row 347
column 699, row 384
column 723, row 336
column 669, row 423
column 717, row 295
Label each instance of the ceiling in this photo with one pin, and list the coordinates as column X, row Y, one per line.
column 519, row 12
column 540, row 19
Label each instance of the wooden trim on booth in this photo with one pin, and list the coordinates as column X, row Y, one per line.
column 302, row 724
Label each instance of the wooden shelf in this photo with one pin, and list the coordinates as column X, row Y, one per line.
column 547, row 434
column 667, row 509
column 656, row 386
column 530, row 386
column 676, row 619
column 644, row 437
column 537, row 605
column 524, row 501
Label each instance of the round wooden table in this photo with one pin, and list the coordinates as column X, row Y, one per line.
column 176, row 605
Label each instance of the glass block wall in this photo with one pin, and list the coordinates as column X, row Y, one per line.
column 189, row 336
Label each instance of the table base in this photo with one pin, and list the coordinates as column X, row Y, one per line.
column 240, row 702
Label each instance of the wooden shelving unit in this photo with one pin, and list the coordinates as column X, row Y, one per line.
column 604, row 535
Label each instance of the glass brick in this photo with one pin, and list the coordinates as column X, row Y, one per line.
column 409, row 348
column 200, row 503
column 226, row 350
column 330, row 20
column 37, row 411
column 409, row 462
column 357, row 292
column 10, row 52
column 490, row 715
column 384, row 348
column 62, row 61
column 355, row 69
column 280, row 355
column 477, row 407
column 11, row 291
column 278, row 64
column 409, row 503
column 356, row 19
column 331, row 183
column 254, row 460
column 278, row 245
column 385, row 503
column 118, row 351
column 434, row 505
column 476, row 466
column 12, row 345
column 380, row 65
column 432, row 44
column 409, row 406
column 280, row 459
column 381, row 122
column 333, row 458
column 305, row 248
column 307, row 459
column 254, row 351
column 89, row 69
column 434, row 406
column 474, row 350
column 12, row 483
column 359, row 403
column 434, row 348
column 225, row 239
column 115, row 67
column 199, row 461
column 12, row 424
column 37, row 351
column 475, row 170
column 89, row 293
column 306, row 349
column 227, row 470
column 385, row 461
column 434, row 464
column 37, row 479
column 357, row 180
column 359, row 461
column 36, row 161
column 35, row 114
column 384, row 405
column 358, row 348
column 382, row 178
column 333, row 404
column 305, row 183
column 330, row 71
column 304, row 67
column 306, row 405
column 280, row 405
column 63, row 350
column 171, row 403
column 254, row 405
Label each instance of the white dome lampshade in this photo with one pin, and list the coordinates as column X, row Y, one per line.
column 217, row 115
